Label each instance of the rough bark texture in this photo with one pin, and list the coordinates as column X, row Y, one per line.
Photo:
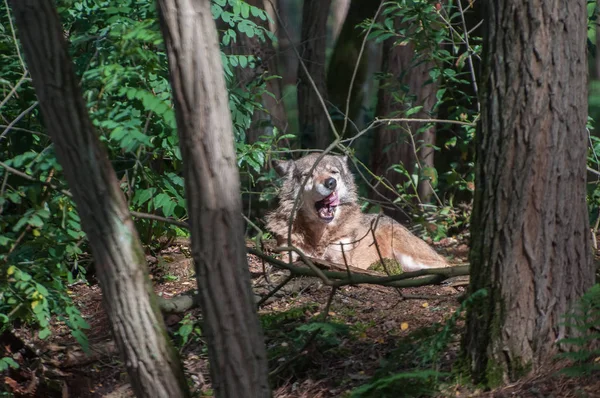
column 530, row 232
column 393, row 145
column 314, row 128
column 236, row 347
column 138, row 328
column 342, row 65
column 264, row 51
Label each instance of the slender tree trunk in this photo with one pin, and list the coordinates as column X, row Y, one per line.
column 339, row 11
column 288, row 24
column 138, row 328
column 597, row 54
column 314, row 128
column 343, row 62
column 393, row 145
column 275, row 116
column 530, row 233
column 236, row 347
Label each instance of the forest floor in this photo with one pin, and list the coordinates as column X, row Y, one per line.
column 369, row 331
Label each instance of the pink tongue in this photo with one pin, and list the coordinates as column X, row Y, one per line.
column 332, row 200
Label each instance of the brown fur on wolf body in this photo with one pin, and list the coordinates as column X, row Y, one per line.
column 350, row 229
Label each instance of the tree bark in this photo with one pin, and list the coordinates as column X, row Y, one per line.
column 597, row 53
column 152, row 363
column 312, row 118
column 530, row 233
column 288, row 35
column 343, row 62
column 263, row 51
column 235, row 343
column 394, row 145
column 339, row 11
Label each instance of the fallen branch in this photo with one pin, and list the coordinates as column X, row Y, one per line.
column 422, row 277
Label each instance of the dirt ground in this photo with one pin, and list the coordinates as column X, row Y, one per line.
column 376, row 330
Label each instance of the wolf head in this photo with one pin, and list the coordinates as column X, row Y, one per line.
column 329, row 186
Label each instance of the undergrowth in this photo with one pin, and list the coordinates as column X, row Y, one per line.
column 420, row 357
column 583, row 344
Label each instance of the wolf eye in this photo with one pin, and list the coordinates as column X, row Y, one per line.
column 335, row 171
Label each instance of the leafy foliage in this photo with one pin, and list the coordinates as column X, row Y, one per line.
column 584, row 322
column 411, row 384
column 421, row 353
column 188, row 330
column 437, row 33
column 118, row 52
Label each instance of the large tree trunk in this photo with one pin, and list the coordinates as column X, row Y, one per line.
column 314, row 128
column 343, row 62
column 393, row 145
column 236, row 347
column 138, row 328
column 530, row 233
column 262, row 122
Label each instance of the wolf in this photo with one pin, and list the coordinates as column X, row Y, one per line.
column 328, row 223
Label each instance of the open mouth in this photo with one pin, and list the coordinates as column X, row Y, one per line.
column 326, row 207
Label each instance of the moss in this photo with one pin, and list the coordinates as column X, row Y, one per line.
column 389, row 265
column 520, row 370
column 494, row 373
column 461, row 372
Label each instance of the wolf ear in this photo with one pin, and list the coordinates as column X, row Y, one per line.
column 283, row 167
column 345, row 162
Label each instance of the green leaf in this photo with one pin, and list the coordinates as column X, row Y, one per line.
column 216, row 11
column 36, row 221
column 81, row 339
column 245, row 10
column 143, row 195
column 44, row 333
column 7, row 362
column 414, row 110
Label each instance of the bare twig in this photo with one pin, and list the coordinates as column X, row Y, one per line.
column 3, row 189
column 154, row 217
column 24, row 130
column 305, row 69
column 275, row 290
column 14, row 35
column 414, row 147
column 469, row 57
column 15, row 88
column 593, row 171
column 373, row 227
column 21, row 115
column 386, row 185
column 325, row 312
column 259, row 239
column 356, row 66
column 307, row 261
column 30, row 178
